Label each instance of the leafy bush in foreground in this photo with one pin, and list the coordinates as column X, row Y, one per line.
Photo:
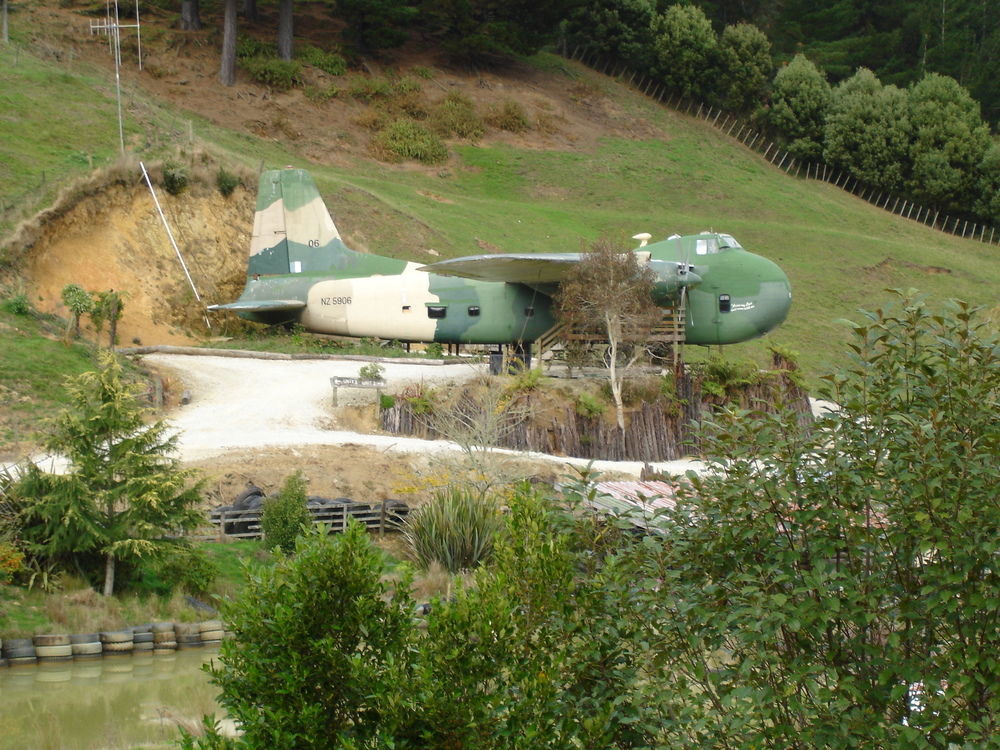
column 832, row 588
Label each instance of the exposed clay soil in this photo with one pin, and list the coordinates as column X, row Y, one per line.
column 114, row 239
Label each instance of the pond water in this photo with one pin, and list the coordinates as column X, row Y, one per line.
column 113, row 702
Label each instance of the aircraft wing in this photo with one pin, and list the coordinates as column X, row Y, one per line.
column 260, row 305
column 515, row 268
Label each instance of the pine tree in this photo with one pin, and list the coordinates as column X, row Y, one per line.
column 124, row 496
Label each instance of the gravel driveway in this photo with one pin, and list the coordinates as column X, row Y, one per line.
column 240, row 402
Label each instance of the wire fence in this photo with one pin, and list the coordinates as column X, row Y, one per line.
column 745, row 132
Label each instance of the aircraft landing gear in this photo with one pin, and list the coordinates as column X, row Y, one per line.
column 516, row 356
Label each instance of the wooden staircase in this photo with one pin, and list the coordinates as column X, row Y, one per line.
column 668, row 334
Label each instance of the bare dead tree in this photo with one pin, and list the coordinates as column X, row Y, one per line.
column 477, row 418
column 608, row 295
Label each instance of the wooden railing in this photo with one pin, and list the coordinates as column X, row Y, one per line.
column 381, row 517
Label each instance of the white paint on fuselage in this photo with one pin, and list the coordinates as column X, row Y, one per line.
column 387, row 307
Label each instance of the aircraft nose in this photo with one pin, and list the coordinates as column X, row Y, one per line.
column 775, row 297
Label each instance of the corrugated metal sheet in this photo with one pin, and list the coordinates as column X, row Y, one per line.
column 640, row 500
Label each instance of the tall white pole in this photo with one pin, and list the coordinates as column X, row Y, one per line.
column 170, row 234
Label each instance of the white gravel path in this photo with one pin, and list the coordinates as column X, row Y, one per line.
column 241, row 403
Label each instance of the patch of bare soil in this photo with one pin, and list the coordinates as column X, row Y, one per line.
column 114, row 239
column 362, row 473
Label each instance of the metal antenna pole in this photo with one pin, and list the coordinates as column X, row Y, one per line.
column 116, row 34
column 113, row 28
column 170, row 234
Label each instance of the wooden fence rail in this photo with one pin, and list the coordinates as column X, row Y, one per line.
column 381, row 517
column 967, row 227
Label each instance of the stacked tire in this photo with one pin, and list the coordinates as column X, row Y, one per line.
column 188, row 634
column 19, row 651
column 117, row 642
column 164, row 639
column 211, row 632
column 53, row 647
column 86, row 645
column 142, row 638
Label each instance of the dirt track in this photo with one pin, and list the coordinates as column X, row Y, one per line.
column 259, row 420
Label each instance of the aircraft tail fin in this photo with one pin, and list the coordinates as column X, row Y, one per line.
column 292, row 229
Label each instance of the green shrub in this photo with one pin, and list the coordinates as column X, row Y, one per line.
column 320, row 653
column 589, row 405
column 526, row 379
column 17, row 304
column 510, row 116
column 284, row 516
column 422, row 72
column 406, row 139
column 11, row 561
column 420, row 403
column 456, row 116
column 369, row 89
column 274, row 72
column 321, row 94
column 385, row 401
column 179, row 568
column 247, row 47
column 434, row 350
column 406, row 85
column 226, row 182
column 175, row 178
column 372, row 372
column 456, row 529
column 328, row 62
column 718, row 374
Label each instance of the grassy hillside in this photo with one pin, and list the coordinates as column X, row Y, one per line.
column 610, row 161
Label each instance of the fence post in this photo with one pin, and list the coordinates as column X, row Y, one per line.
column 717, row 116
column 381, row 521
column 756, row 136
column 780, row 165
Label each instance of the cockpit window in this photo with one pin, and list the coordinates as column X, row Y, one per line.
column 727, row 241
column 706, row 245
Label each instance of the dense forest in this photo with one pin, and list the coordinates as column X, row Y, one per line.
column 898, row 40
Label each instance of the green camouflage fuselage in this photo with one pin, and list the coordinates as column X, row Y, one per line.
column 301, row 272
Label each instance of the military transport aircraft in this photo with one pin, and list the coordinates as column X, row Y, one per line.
column 301, row 272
